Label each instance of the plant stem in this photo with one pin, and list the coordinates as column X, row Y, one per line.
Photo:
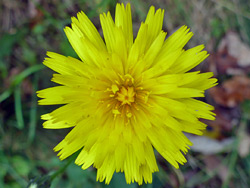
column 62, row 169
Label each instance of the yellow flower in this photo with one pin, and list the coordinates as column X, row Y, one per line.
column 125, row 97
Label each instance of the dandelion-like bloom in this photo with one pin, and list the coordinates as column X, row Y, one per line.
column 125, row 97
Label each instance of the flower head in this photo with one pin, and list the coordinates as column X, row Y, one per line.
column 125, row 97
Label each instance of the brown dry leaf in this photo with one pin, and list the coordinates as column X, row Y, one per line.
column 236, row 48
column 232, row 92
column 223, row 63
column 36, row 19
column 232, row 57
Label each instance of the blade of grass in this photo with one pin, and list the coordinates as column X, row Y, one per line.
column 242, row 29
column 180, row 177
column 63, row 168
column 18, row 79
column 230, row 6
column 33, row 111
column 234, row 155
column 18, row 107
column 141, row 8
column 5, row 95
column 231, row 166
column 1, row 126
column 181, row 7
column 13, row 173
column 163, row 176
column 243, row 176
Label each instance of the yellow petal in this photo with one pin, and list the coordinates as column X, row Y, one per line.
column 89, row 30
column 123, row 19
column 154, row 20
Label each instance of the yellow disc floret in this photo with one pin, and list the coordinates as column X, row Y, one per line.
column 126, row 95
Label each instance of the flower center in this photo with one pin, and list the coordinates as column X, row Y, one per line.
column 126, row 95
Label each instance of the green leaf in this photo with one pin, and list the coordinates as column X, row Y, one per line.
column 21, row 165
column 66, row 48
column 18, row 107
column 118, row 180
column 7, row 42
column 18, row 79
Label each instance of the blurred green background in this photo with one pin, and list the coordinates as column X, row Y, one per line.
column 29, row 28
